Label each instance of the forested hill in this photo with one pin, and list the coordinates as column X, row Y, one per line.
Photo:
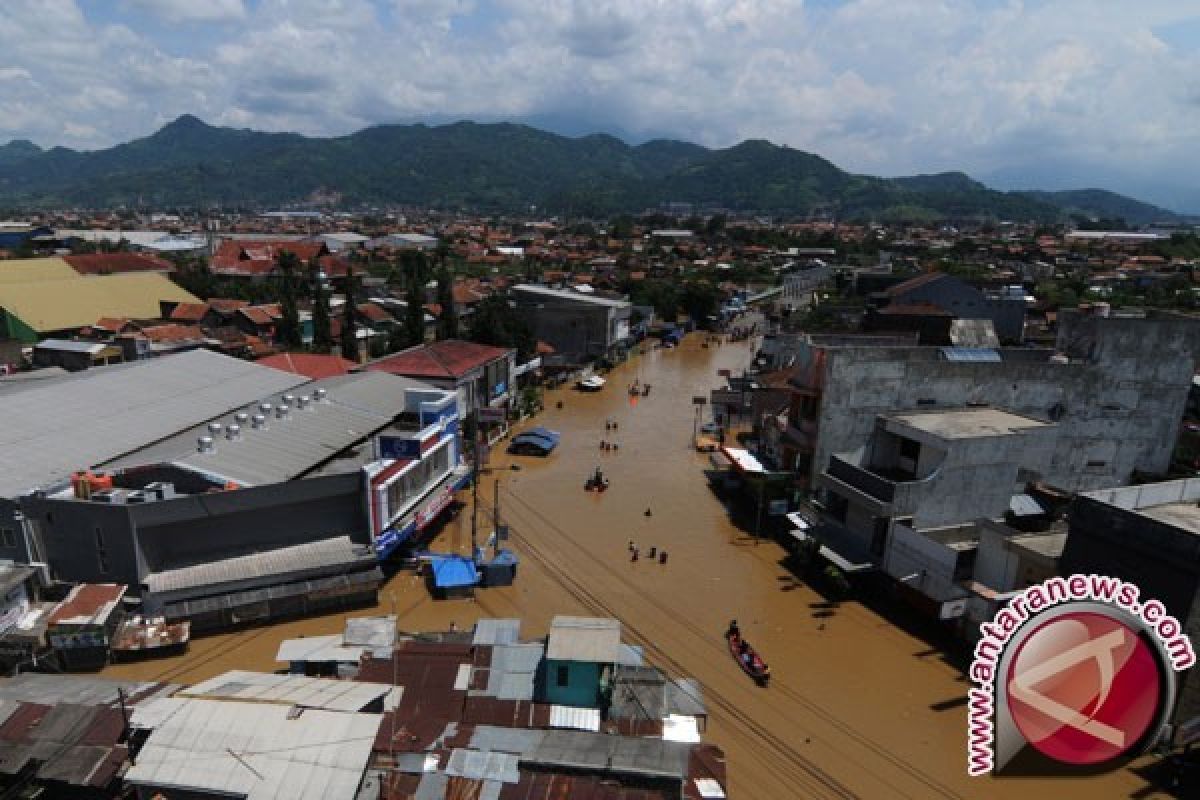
column 503, row 167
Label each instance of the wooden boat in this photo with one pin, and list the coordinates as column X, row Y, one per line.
column 596, row 483
column 752, row 664
column 149, row 637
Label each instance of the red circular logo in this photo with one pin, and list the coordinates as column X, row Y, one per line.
column 1083, row 688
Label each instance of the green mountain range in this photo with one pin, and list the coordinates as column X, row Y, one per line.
column 501, row 167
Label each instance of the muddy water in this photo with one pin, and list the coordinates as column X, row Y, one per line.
column 857, row 706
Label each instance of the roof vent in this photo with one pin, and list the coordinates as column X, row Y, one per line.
column 259, row 421
column 282, row 412
column 319, row 394
column 204, row 444
column 302, row 402
column 214, row 428
column 289, row 399
column 234, row 431
column 242, row 417
column 264, row 408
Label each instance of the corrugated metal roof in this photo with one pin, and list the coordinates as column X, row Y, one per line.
column 584, row 639
column 317, row 648
column 260, row 752
column 513, row 671
column 26, row 270
column 37, row 687
column 289, row 690
column 339, row 550
column 373, row 632
column 67, row 303
column 60, row 425
column 71, row 346
column 355, row 407
column 580, row 719
column 590, row 751
column 978, row 354
column 497, row 631
column 480, row 766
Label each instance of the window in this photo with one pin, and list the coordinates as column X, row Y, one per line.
column 910, row 448
column 563, row 677
column 7, row 537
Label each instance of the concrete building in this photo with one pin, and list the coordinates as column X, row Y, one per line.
column 1115, row 387
column 800, row 283
column 937, row 291
column 75, row 355
column 906, row 501
column 580, row 327
column 253, row 512
column 1150, row 536
column 581, row 654
column 480, row 374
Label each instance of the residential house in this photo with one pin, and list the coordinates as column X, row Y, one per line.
column 581, row 654
column 481, row 374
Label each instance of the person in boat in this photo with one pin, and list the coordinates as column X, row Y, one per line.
column 733, row 629
column 744, row 647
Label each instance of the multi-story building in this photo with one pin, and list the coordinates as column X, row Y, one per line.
column 580, row 327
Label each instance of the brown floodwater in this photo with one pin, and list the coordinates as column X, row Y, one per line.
column 857, row 707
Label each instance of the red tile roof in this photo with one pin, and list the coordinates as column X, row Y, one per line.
column 111, row 324
column 374, row 313
column 189, row 312
column 465, row 295
column 261, row 257
column 114, row 263
column 225, row 305
column 311, row 365
column 452, row 358
column 262, row 315
column 172, row 332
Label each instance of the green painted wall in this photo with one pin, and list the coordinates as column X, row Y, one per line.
column 13, row 328
column 582, row 685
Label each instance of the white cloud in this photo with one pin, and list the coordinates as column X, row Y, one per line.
column 176, row 11
column 885, row 86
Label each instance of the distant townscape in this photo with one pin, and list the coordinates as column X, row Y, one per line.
column 466, row 503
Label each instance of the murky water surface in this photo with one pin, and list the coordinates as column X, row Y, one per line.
column 857, row 707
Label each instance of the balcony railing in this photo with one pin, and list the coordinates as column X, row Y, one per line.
column 865, row 481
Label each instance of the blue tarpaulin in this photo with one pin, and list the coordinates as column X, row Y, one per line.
column 453, row 572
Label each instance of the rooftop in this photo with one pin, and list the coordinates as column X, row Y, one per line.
column 88, row 604
column 77, row 301
column 452, row 358
column 572, row 295
column 256, row 751
column 58, row 425
column 584, row 639
column 970, row 423
column 283, row 448
column 266, row 688
column 1171, row 502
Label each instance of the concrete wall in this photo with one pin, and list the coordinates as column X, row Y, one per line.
column 933, row 562
column 1162, row 560
column 1119, row 408
column 193, row 529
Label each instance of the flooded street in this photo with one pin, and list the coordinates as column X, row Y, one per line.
column 857, row 707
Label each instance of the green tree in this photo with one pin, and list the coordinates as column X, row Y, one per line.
column 289, row 326
column 414, row 313
column 448, row 320
column 497, row 323
column 349, row 319
column 322, row 328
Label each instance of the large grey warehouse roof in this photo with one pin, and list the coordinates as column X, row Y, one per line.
column 353, row 408
column 54, row 427
column 574, row 297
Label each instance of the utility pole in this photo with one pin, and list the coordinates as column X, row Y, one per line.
column 125, row 716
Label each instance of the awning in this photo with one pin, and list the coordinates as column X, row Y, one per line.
column 454, row 572
column 743, row 460
column 833, row 557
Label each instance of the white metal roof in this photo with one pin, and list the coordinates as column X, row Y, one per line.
column 584, row 639
column 71, row 346
column 564, row 294
column 580, row 719
column 318, row 648
column 56, row 426
column 288, row 690
column 255, row 751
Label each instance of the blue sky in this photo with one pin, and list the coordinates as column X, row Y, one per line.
column 1046, row 93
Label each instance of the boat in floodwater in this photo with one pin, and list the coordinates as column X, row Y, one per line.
column 593, row 383
column 748, row 658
